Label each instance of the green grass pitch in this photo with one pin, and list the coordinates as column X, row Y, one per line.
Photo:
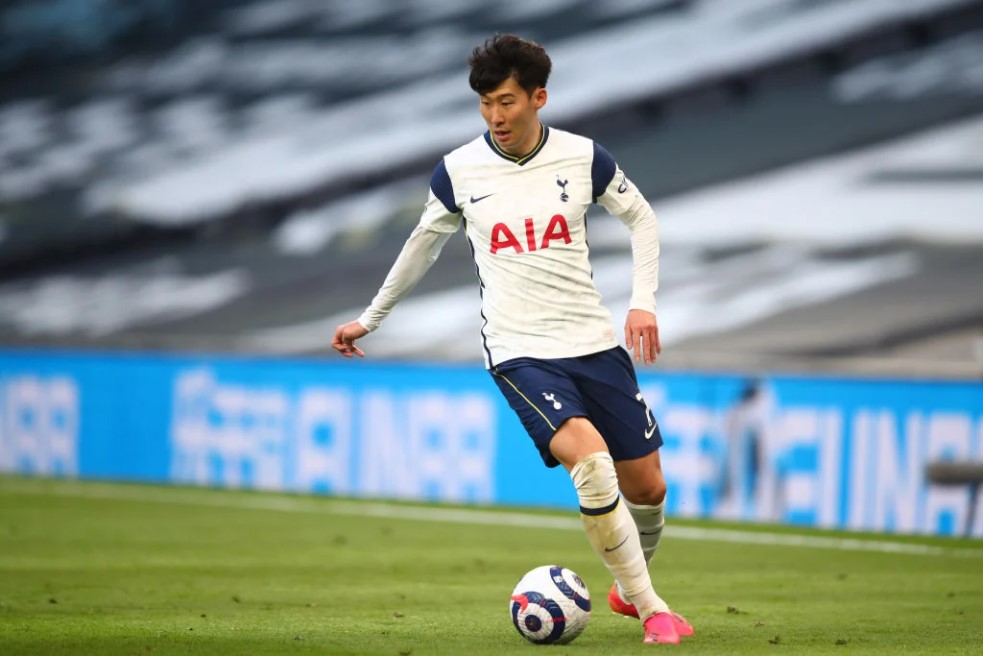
column 97, row 568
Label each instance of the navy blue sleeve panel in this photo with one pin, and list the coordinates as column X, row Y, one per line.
column 602, row 171
column 440, row 185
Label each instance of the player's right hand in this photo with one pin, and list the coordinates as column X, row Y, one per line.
column 345, row 336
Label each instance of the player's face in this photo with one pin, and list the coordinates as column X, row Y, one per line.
column 512, row 116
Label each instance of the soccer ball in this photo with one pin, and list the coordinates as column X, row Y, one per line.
column 550, row 605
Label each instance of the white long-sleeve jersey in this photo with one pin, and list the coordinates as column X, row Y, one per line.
column 525, row 219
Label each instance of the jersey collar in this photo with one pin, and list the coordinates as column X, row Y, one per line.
column 512, row 158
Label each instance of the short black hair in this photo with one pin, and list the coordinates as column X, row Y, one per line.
column 506, row 55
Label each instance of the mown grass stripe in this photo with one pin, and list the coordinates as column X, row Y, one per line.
column 477, row 516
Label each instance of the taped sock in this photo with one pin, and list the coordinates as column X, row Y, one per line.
column 612, row 532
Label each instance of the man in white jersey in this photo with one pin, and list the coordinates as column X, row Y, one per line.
column 522, row 191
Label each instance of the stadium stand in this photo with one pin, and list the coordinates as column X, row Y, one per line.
column 242, row 178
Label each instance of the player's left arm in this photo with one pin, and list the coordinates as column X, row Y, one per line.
column 620, row 197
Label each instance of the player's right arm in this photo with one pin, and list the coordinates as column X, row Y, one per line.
column 440, row 219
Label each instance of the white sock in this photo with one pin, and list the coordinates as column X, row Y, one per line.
column 612, row 532
column 649, row 521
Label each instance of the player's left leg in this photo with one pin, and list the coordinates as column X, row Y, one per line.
column 618, row 409
column 615, row 403
column 609, row 525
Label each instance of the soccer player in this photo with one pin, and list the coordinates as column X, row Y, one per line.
column 522, row 191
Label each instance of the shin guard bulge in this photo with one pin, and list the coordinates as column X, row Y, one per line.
column 611, row 530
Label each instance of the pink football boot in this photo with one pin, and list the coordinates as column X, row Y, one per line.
column 618, row 605
column 661, row 628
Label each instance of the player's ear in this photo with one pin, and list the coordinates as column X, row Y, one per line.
column 539, row 97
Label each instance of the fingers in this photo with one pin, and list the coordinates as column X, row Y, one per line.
column 341, row 346
column 650, row 347
column 645, row 347
column 345, row 343
column 348, row 349
column 644, row 343
column 633, row 340
column 642, row 336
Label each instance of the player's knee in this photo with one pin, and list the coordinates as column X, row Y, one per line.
column 574, row 441
column 646, row 493
column 596, row 481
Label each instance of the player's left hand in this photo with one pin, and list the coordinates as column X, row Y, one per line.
column 642, row 335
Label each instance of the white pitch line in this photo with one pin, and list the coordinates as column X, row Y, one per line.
column 487, row 517
column 211, row 498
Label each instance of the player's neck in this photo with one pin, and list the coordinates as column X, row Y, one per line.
column 525, row 148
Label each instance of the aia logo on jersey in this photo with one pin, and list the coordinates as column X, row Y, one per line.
column 556, row 230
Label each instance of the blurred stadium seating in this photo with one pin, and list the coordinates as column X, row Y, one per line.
column 240, row 178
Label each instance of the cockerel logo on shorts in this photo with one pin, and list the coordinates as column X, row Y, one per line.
column 551, row 397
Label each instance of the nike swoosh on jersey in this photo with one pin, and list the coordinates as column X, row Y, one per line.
column 480, row 198
column 650, row 432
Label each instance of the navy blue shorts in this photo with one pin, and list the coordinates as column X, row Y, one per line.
column 601, row 387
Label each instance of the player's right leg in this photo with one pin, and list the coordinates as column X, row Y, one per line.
column 644, row 489
column 609, row 525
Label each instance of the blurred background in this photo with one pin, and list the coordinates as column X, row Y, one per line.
column 193, row 196
column 238, row 175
